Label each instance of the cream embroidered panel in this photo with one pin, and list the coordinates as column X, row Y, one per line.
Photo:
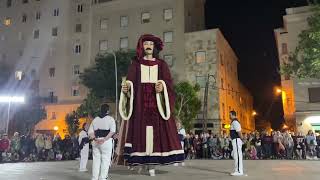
column 149, row 74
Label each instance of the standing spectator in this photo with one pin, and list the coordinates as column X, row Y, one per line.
column 39, row 143
column 15, row 144
column 299, row 146
column 188, row 142
column 288, row 143
column 204, row 144
column 67, row 147
column 5, row 148
column 267, row 141
column 47, row 144
column 257, row 142
column 224, row 146
column 197, row 146
column 311, row 145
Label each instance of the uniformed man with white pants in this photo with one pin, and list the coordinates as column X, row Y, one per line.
column 84, row 148
column 101, row 131
column 236, row 136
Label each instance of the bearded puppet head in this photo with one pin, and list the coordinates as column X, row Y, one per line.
column 149, row 44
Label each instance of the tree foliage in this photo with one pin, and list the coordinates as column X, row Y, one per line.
column 89, row 107
column 304, row 62
column 100, row 78
column 27, row 116
column 187, row 104
column 72, row 121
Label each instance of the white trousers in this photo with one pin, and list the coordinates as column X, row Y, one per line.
column 101, row 159
column 237, row 155
column 84, row 155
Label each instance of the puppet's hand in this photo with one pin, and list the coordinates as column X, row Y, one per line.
column 125, row 88
column 159, row 87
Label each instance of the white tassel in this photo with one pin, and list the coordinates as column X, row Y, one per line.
column 122, row 99
column 164, row 115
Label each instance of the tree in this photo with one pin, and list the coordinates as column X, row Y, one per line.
column 72, row 121
column 187, row 104
column 27, row 116
column 304, row 62
column 100, row 78
column 90, row 106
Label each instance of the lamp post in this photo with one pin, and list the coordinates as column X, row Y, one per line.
column 9, row 100
column 205, row 103
column 116, row 75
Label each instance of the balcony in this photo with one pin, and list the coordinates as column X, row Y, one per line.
column 100, row 1
column 48, row 100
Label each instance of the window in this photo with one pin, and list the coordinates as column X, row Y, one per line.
column 19, row 75
column 52, row 72
column 51, row 51
column 168, row 59
column 24, row 1
column 7, row 21
column 103, row 45
column 56, row 12
column 3, row 56
column 53, row 115
column 221, row 59
column 76, row 70
column 145, row 17
column 124, row 43
column 78, row 28
column 223, row 111
column 201, row 80
column 124, row 21
column 24, row 18
column 36, row 34
column 104, row 24
column 314, row 94
column 222, row 83
column 77, row 49
column 232, row 92
column 55, row 31
column 200, row 56
column 33, row 73
column 168, row 14
column 20, row 36
column 79, row 8
column 284, row 48
column 9, row 3
column 228, row 89
column 20, row 53
column 75, row 91
column 168, row 36
column 38, row 15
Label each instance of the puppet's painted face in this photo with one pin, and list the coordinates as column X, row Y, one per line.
column 148, row 47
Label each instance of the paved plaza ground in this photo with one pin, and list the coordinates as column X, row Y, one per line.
column 194, row 170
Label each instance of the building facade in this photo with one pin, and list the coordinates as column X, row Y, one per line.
column 209, row 57
column 54, row 41
column 300, row 98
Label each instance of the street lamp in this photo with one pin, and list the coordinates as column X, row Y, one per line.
column 279, row 91
column 116, row 75
column 9, row 100
column 254, row 113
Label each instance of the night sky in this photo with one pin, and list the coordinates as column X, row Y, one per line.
column 248, row 27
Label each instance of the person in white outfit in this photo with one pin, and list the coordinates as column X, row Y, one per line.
column 101, row 131
column 236, row 136
column 182, row 135
column 84, row 148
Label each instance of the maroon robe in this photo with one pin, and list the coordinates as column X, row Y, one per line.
column 166, row 145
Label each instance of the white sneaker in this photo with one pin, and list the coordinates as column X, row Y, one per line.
column 83, row 170
column 183, row 164
column 176, row 164
column 152, row 172
column 236, row 174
